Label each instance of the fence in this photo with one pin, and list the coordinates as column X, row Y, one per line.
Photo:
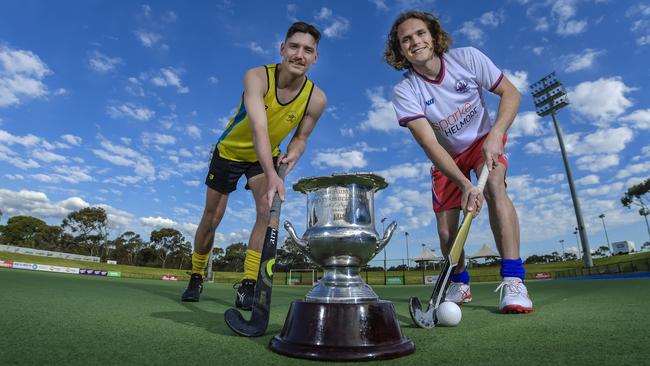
column 639, row 265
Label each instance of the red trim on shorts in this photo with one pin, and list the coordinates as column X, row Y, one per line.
column 445, row 193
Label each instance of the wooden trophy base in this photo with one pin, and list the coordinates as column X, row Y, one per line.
column 342, row 332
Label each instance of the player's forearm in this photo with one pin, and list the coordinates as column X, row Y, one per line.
column 297, row 146
column 443, row 161
column 508, row 107
column 263, row 150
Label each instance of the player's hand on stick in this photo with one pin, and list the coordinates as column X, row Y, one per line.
column 492, row 149
column 472, row 200
column 289, row 159
column 274, row 184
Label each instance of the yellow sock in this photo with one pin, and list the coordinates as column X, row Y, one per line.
column 251, row 264
column 199, row 262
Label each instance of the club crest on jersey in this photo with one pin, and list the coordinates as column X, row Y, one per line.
column 462, row 86
column 291, row 117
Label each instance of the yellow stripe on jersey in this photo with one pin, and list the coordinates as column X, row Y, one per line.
column 236, row 142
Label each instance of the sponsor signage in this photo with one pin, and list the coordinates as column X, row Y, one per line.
column 169, row 278
column 114, row 274
column 543, row 275
column 47, row 253
column 394, row 280
column 430, row 279
column 23, row 265
column 6, row 264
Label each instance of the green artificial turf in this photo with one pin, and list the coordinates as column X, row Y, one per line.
column 62, row 319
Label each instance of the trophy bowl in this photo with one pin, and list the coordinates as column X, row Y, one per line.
column 341, row 236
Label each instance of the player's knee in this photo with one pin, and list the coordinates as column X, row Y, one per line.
column 495, row 190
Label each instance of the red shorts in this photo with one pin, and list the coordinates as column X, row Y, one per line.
column 445, row 193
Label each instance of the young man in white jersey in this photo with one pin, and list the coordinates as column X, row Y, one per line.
column 440, row 101
column 276, row 100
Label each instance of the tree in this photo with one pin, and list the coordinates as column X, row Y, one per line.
column 601, row 251
column 233, row 258
column 634, row 194
column 91, row 225
column 30, row 232
column 166, row 241
column 645, row 246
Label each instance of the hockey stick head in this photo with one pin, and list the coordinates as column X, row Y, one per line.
column 253, row 328
column 422, row 318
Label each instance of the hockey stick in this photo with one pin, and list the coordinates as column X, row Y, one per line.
column 261, row 307
column 428, row 319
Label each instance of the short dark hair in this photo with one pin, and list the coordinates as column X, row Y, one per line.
column 393, row 53
column 302, row 27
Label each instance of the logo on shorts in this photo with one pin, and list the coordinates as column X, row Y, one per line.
column 462, row 86
column 210, row 176
column 291, row 117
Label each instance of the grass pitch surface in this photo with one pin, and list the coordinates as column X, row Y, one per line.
column 48, row 318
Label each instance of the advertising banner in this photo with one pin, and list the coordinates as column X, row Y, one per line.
column 394, row 280
column 22, row 265
column 114, row 274
column 6, row 264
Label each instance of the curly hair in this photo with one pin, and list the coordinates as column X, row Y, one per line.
column 393, row 53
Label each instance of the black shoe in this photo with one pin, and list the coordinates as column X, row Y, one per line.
column 245, row 293
column 194, row 288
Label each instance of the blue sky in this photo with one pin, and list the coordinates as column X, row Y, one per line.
column 117, row 104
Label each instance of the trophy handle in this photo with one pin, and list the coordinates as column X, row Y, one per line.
column 301, row 244
column 387, row 235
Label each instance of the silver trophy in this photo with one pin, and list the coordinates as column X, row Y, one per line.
column 341, row 318
column 341, row 236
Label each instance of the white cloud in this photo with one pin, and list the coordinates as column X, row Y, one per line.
column 124, row 156
column 639, row 119
column 254, row 47
column 406, row 171
column 130, row 110
column 27, row 140
column 102, row 63
column 333, row 26
column 148, row 39
column 519, row 79
column 72, row 139
column 472, row 32
column 563, row 11
column 526, row 124
column 601, row 100
column 381, row 115
column 597, row 163
column 21, row 76
column 340, row 159
column 33, row 203
column 492, row 19
column 48, row 156
column 193, row 131
column 155, row 138
column 157, row 222
column 538, row 50
column 582, row 61
column 170, row 77
column 213, row 80
column 588, row 180
column 632, row 169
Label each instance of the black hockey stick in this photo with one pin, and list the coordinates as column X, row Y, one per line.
column 261, row 307
column 427, row 318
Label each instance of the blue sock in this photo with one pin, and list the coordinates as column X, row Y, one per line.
column 513, row 268
column 462, row 277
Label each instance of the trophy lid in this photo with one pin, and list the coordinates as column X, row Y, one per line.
column 371, row 181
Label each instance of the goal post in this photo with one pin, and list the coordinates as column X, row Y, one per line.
column 305, row 276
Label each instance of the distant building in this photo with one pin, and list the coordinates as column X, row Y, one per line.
column 623, row 247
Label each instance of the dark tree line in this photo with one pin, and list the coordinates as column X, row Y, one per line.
column 85, row 232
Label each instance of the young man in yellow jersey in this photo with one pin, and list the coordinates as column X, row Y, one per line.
column 276, row 100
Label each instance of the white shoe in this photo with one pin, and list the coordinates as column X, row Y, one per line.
column 459, row 293
column 514, row 297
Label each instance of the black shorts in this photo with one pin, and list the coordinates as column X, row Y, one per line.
column 224, row 174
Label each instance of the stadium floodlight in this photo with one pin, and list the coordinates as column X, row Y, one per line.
column 602, row 217
column 550, row 96
column 408, row 260
column 644, row 211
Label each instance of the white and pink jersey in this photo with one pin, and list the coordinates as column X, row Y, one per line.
column 453, row 103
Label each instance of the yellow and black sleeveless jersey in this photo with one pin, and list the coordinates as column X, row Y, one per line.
column 236, row 142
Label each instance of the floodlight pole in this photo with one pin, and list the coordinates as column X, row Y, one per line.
column 382, row 233
column 550, row 96
column 602, row 217
column 408, row 260
column 574, row 196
